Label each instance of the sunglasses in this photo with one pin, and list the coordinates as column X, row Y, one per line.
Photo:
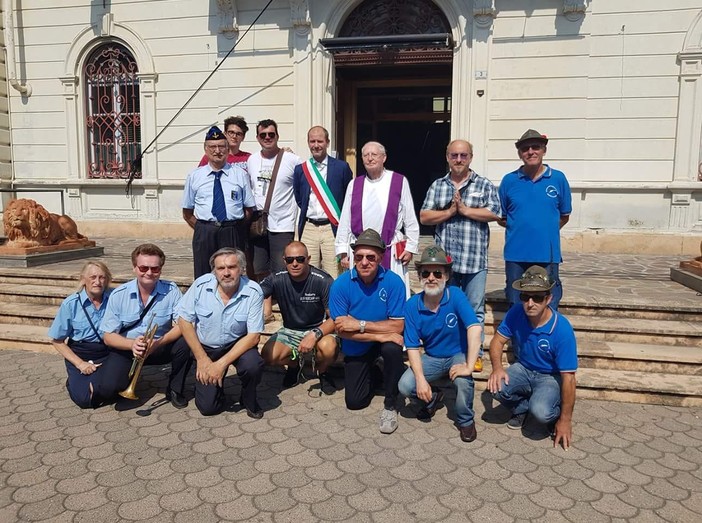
column 263, row 136
column 536, row 298
column 437, row 274
column 533, row 147
column 147, row 268
column 235, row 133
column 372, row 258
column 456, row 156
column 298, row 259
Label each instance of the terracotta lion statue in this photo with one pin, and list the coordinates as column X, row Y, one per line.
column 28, row 224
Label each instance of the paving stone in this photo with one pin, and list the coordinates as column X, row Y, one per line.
column 140, row 510
column 169, row 485
column 311, row 493
column 521, row 507
column 187, row 499
column 613, row 506
column 334, row 508
column 48, row 508
column 583, row 512
column 222, row 459
column 271, row 504
column 200, row 514
column 85, row 501
column 295, row 514
column 460, row 500
column 35, row 492
column 550, row 498
column 242, row 509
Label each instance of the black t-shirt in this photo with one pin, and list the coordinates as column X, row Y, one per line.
column 302, row 304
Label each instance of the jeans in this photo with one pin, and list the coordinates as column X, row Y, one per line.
column 437, row 368
column 514, row 271
column 533, row 392
column 473, row 286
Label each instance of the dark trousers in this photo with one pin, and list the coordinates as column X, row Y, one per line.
column 116, row 368
column 210, row 399
column 359, row 387
column 209, row 238
column 268, row 251
column 77, row 384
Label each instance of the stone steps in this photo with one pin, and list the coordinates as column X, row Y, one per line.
column 627, row 352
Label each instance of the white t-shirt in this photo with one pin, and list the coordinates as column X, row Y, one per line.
column 281, row 214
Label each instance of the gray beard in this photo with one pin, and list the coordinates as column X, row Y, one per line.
column 434, row 291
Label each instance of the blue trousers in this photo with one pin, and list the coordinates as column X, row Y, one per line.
column 514, row 271
column 79, row 385
column 473, row 286
column 437, row 368
column 533, row 392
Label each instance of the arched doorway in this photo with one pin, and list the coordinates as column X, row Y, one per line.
column 393, row 66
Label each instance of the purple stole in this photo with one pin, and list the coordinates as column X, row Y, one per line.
column 391, row 213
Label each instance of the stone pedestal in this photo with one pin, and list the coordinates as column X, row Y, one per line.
column 45, row 254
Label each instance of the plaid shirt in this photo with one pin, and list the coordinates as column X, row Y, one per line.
column 465, row 240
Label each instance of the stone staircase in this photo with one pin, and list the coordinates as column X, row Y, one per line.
column 630, row 353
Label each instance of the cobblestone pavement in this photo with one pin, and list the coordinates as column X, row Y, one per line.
column 309, row 459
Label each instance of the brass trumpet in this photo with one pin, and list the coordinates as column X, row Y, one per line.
column 138, row 363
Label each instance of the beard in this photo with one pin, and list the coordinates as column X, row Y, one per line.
column 438, row 290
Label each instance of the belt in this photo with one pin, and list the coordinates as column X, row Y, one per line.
column 318, row 223
column 226, row 223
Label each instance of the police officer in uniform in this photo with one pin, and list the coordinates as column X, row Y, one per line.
column 217, row 202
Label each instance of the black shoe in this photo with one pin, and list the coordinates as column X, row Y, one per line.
column 427, row 411
column 177, row 400
column 516, row 422
column 254, row 414
column 291, row 376
column 468, row 433
column 327, row 384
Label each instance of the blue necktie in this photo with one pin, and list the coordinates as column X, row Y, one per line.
column 219, row 209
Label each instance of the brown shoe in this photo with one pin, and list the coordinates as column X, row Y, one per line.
column 478, row 365
column 468, row 433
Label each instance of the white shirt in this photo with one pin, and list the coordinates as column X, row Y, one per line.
column 281, row 214
column 376, row 194
column 314, row 208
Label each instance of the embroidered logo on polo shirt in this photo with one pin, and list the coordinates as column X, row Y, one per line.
column 383, row 294
column 544, row 345
column 451, row 320
column 551, row 192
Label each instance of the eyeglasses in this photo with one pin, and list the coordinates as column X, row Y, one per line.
column 263, row 136
column 146, row 268
column 437, row 274
column 217, row 147
column 298, row 259
column 372, row 258
column 534, row 147
column 456, row 156
column 537, row 298
column 235, row 133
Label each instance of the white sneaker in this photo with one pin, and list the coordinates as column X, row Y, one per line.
column 388, row 421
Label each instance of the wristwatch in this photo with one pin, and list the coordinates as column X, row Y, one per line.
column 362, row 326
column 317, row 333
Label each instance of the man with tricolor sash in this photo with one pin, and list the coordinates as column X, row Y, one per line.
column 381, row 200
column 319, row 185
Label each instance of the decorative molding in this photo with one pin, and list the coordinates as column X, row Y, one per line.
column 484, row 12
column 228, row 18
column 574, row 10
column 300, row 14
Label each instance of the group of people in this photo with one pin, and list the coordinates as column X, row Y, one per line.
column 343, row 285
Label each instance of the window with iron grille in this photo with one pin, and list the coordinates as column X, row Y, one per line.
column 112, row 111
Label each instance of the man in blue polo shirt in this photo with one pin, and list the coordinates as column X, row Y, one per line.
column 441, row 320
column 542, row 380
column 221, row 317
column 536, row 204
column 366, row 304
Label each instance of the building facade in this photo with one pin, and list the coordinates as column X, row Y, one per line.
column 614, row 84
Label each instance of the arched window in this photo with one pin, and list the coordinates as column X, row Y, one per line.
column 112, row 111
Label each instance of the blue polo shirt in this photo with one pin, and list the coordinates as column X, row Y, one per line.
column 124, row 307
column 71, row 321
column 218, row 325
column 441, row 333
column 533, row 210
column 383, row 299
column 549, row 349
column 199, row 190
